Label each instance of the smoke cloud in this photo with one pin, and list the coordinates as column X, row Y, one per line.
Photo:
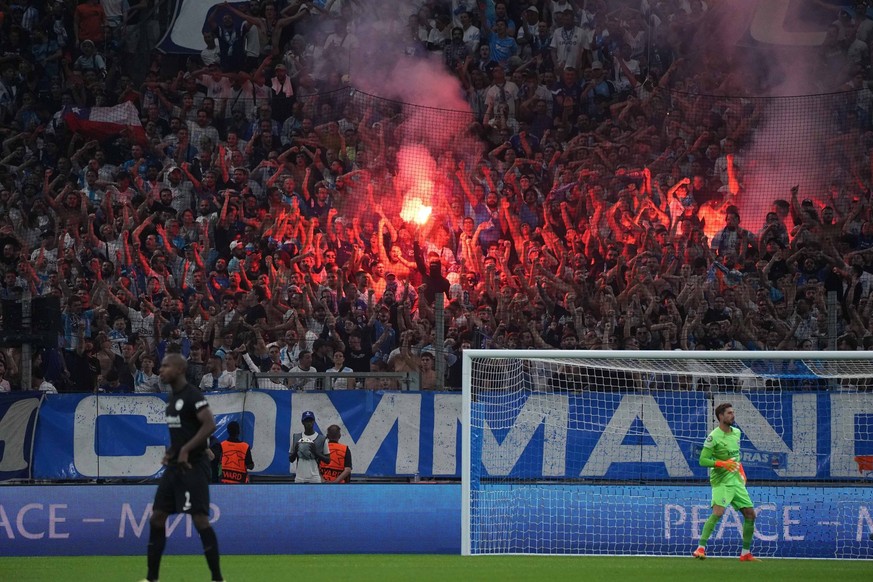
column 433, row 126
column 770, row 59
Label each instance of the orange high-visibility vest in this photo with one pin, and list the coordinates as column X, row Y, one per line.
column 233, row 462
column 330, row 471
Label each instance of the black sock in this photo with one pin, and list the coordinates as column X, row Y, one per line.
column 210, row 550
column 157, row 542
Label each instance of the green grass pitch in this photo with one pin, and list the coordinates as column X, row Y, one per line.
column 387, row 568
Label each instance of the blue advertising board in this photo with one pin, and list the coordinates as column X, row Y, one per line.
column 615, row 436
column 249, row 519
column 796, row 522
column 820, row 522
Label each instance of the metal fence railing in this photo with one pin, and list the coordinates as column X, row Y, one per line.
column 332, row 381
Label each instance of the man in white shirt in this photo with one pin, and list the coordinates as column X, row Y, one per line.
column 217, row 378
column 621, row 79
column 471, row 33
column 567, row 43
column 210, row 55
column 501, row 98
column 341, row 383
column 217, row 86
column 114, row 11
column 40, row 383
column 304, row 366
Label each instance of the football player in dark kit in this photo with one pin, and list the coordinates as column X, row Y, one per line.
column 184, row 486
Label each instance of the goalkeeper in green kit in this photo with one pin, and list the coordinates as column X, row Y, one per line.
column 721, row 453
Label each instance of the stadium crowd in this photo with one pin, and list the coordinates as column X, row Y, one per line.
column 254, row 224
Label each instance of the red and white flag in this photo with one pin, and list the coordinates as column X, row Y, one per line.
column 102, row 123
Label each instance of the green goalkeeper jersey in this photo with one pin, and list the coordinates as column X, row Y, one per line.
column 721, row 446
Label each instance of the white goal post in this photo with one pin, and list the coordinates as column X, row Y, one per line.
column 596, row 452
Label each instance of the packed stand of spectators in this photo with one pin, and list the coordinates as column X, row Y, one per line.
column 253, row 228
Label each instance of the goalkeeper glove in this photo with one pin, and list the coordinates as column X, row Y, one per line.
column 729, row 465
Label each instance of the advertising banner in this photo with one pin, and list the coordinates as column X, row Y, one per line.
column 615, row 436
column 811, row 522
column 667, row 520
column 83, row 520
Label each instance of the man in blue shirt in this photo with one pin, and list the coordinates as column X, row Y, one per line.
column 502, row 45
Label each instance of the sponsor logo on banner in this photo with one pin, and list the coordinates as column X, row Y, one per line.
column 787, row 435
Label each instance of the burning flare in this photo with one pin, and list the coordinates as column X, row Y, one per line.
column 414, row 210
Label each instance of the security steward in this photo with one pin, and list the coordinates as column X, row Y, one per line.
column 339, row 469
column 236, row 457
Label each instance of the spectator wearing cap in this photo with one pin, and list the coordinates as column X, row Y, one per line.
column 527, row 33
column 273, row 351
column 598, row 91
column 237, row 256
column 281, row 93
column 568, row 42
column 308, row 449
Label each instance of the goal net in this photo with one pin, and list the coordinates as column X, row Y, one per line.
column 596, row 452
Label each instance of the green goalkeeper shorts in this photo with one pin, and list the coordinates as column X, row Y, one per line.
column 733, row 494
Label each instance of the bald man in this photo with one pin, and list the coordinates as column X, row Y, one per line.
column 184, row 486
